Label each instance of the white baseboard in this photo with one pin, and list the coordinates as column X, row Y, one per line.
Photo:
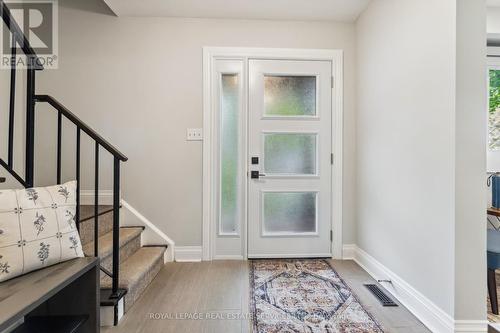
column 188, row 253
column 423, row 308
column 348, row 251
column 87, row 197
column 151, row 234
column 228, row 257
column 471, row 326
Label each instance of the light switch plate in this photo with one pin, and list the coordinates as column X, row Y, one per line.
column 194, row 134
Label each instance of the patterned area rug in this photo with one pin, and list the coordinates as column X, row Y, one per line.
column 302, row 296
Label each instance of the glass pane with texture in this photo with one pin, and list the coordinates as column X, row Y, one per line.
column 289, row 212
column 494, row 111
column 229, row 149
column 289, row 96
column 290, row 153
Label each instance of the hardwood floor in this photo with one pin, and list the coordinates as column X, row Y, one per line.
column 218, row 291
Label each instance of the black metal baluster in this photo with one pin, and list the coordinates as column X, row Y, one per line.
column 59, row 148
column 78, row 178
column 30, row 125
column 19, row 40
column 24, row 43
column 12, row 102
column 116, row 227
column 96, row 201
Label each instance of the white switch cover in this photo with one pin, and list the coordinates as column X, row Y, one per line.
column 194, row 134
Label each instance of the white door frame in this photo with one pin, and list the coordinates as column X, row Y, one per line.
column 209, row 204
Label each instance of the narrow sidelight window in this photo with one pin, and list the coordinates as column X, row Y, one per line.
column 230, row 167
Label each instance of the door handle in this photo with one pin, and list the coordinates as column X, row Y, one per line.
column 256, row 174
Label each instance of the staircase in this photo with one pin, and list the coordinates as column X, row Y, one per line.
column 127, row 267
column 138, row 264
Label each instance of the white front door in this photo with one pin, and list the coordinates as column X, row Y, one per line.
column 289, row 146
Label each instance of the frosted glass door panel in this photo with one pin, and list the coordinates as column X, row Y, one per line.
column 289, row 96
column 290, row 153
column 230, row 185
column 289, row 212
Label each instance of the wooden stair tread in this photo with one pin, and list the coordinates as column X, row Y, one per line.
column 106, row 241
column 136, row 266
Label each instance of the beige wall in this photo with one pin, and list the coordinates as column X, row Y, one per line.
column 493, row 22
column 470, row 161
column 421, row 140
column 138, row 81
column 405, row 140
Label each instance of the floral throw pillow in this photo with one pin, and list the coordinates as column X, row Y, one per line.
column 37, row 228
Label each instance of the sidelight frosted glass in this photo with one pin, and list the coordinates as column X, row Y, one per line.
column 290, row 153
column 230, row 184
column 289, row 212
column 290, row 95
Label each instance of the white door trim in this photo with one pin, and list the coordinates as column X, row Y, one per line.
column 209, row 204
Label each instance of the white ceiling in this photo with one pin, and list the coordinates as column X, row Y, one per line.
column 322, row 10
column 493, row 3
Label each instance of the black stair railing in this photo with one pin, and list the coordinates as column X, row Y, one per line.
column 20, row 42
column 118, row 157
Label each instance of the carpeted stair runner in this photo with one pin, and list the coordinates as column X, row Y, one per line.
column 137, row 272
column 130, row 242
column 138, row 265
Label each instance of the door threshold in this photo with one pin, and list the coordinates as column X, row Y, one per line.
column 291, row 256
